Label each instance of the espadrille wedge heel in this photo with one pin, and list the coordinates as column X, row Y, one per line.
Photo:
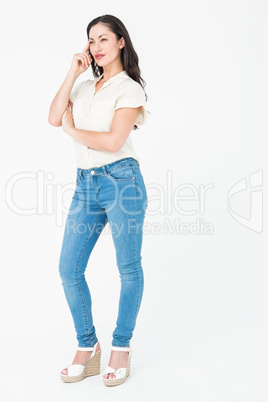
column 77, row 372
column 122, row 373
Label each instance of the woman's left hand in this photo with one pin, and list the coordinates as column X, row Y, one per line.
column 67, row 118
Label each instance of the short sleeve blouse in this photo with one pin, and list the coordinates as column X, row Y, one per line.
column 95, row 111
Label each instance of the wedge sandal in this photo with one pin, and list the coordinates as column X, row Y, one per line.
column 77, row 372
column 122, row 373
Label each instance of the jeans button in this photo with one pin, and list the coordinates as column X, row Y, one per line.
column 92, row 172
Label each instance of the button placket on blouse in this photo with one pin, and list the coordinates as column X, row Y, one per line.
column 93, row 94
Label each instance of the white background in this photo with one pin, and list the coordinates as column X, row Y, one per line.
column 201, row 333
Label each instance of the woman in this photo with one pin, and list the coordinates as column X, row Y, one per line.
column 100, row 114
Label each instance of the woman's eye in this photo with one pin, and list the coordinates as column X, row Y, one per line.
column 92, row 42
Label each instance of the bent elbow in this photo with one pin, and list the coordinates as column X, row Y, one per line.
column 115, row 147
column 54, row 122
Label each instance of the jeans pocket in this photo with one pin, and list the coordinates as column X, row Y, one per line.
column 121, row 173
column 78, row 179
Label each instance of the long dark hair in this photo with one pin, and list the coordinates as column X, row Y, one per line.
column 129, row 57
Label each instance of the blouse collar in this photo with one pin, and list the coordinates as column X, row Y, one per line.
column 122, row 74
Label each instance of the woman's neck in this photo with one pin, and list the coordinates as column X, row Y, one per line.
column 107, row 74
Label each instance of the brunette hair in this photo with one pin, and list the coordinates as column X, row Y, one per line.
column 129, row 57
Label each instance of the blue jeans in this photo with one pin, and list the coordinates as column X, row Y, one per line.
column 113, row 193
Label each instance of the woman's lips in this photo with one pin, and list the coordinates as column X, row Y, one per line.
column 99, row 57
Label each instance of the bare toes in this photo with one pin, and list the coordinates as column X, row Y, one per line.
column 109, row 375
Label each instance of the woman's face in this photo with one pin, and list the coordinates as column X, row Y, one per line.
column 104, row 42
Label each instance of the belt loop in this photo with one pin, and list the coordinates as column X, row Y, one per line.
column 82, row 176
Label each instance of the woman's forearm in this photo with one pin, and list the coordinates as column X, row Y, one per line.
column 99, row 140
column 60, row 101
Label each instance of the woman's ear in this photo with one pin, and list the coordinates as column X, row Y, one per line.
column 122, row 43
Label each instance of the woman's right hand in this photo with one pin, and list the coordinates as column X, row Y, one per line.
column 81, row 61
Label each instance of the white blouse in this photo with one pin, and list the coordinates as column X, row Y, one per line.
column 96, row 112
